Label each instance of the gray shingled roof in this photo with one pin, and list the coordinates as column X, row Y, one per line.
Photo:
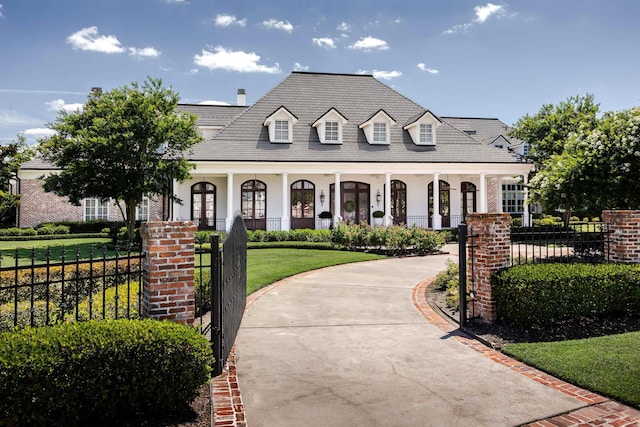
column 357, row 97
column 487, row 129
column 213, row 115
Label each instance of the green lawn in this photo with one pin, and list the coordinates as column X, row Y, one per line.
column 71, row 246
column 265, row 266
column 607, row 365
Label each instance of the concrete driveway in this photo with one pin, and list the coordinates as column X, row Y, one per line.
column 345, row 346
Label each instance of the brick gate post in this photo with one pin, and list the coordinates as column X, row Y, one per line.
column 168, row 270
column 624, row 235
column 491, row 252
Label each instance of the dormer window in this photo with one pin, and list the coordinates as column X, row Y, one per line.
column 422, row 128
column 329, row 127
column 426, row 133
column 280, row 125
column 377, row 128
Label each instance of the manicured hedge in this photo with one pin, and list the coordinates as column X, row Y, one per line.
column 540, row 295
column 99, row 371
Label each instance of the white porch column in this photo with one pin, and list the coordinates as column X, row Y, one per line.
column 337, row 203
column 436, row 218
column 229, row 219
column 285, row 222
column 525, row 214
column 499, row 196
column 388, row 219
column 483, row 193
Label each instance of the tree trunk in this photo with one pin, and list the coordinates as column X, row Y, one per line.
column 131, row 219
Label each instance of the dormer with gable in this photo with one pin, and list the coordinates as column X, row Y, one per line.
column 422, row 129
column 329, row 127
column 377, row 129
column 280, row 124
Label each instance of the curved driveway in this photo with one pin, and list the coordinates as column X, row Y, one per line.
column 345, row 346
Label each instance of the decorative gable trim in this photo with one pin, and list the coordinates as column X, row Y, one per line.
column 377, row 128
column 280, row 124
column 422, row 128
column 329, row 127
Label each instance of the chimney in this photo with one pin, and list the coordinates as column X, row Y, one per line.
column 241, row 99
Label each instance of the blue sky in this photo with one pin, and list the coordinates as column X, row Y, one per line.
column 456, row 58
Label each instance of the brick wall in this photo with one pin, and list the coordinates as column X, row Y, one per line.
column 491, row 252
column 38, row 206
column 168, row 276
column 624, row 237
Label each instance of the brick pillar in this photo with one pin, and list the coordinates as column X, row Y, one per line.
column 491, row 252
column 168, row 270
column 624, row 235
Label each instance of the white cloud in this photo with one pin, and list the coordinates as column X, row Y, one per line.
column 369, row 43
column 483, row 13
column 212, row 102
column 88, row 39
column 362, row 72
column 324, row 42
column 1, row 15
column 299, row 67
column 148, row 52
column 59, row 104
column 11, row 118
column 228, row 20
column 423, row 67
column 39, row 132
column 386, row 75
column 227, row 59
column 193, row 71
column 278, row 25
column 177, row 1
column 343, row 27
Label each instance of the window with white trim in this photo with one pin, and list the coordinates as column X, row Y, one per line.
column 331, row 131
column 379, row 132
column 426, row 133
column 95, row 208
column 513, row 198
column 282, row 130
column 142, row 210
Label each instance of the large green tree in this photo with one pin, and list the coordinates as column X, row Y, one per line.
column 12, row 156
column 124, row 144
column 555, row 182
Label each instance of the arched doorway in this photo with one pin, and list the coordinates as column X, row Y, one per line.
column 399, row 202
column 355, row 201
column 203, row 205
column 468, row 192
column 254, row 204
column 445, row 205
column 303, row 197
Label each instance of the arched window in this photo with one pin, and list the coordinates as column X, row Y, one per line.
column 445, row 191
column 468, row 192
column 254, row 204
column 399, row 202
column 203, row 205
column 303, row 196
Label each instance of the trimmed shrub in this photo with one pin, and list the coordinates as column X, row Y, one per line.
column 448, row 280
column 539, row 295
column 118, row 302
column 82, row 372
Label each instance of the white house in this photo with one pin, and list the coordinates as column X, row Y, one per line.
column 343, row 143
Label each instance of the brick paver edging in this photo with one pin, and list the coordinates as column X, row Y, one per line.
column 600, row 410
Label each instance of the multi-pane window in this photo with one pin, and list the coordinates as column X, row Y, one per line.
column 331, row 131
column 525, row 149
column 379, row 132
column 513, row 198
column 95, row 208
column 142, row 210
column 281, row 130
column 426, row 134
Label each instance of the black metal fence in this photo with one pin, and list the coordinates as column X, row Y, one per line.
column 221, row 290
column 43, row 290
column 579, row 242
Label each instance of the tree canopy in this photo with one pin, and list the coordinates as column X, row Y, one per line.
column 124, row 144
column 12, row 156
column 582, row 161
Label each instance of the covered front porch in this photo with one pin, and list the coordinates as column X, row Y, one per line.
column 304, row 195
